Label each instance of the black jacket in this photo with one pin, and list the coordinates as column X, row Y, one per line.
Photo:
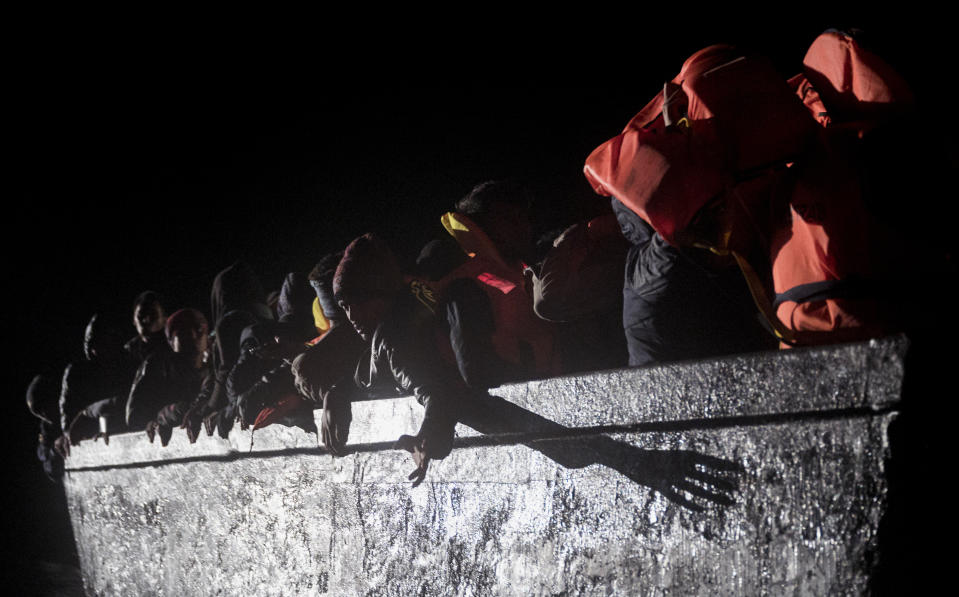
column 256, row 380
column 236, row 301
column 403, row 353
column 168, row 382
column 681, row 304
column 139, row 349
column 88, row 382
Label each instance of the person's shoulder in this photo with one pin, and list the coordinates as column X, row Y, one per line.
column 78, row 369
column 159, row 360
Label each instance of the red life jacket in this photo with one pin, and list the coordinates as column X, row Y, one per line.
column 858, row 88
column 279, row 411
column 827, row 263
column 740, row 117
column 517, row 330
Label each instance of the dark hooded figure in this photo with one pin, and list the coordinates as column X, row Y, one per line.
column 678, row 305
column 237, row 300
column 261, row 378
column 43, row 395
column 396, row 317
column 321, row 279
column 169, row 383
column 103, row 377
column 149, row 319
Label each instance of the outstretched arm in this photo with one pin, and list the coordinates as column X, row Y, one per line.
column 419, row 370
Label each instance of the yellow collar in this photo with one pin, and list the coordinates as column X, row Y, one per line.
column 471, row 237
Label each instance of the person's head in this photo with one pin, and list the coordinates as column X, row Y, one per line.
column 187, row 332
column 501, row 209
column 43, row 395
column 321, row 280
column 295, row 309
column 237, row 288
column 102, row 338
column 149, row 315
column 366, row 282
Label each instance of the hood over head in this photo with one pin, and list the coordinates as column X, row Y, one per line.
column 321, row 279
column 295, row 306
column 43, row 398
column 237, row 288
column 103, row 338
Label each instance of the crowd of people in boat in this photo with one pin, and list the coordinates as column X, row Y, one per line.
column 746, row 214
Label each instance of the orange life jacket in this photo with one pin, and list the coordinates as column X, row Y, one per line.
column 824, row 262
column 858, row 88
column 280, row 410
column 828, row 261
column 736, row 117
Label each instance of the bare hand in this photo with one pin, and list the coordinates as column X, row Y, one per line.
column 335, row 421
column 209, row 423
column 151, row 430
column 192, row 428
column 417, row 447
column 164, row 431
column 62, row 446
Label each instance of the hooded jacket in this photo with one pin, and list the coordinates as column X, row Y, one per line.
column 236, row 301
column 403, row 352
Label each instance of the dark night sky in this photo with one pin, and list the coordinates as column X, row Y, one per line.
column 131, row 175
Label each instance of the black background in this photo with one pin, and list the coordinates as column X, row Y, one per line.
column 133, row 170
